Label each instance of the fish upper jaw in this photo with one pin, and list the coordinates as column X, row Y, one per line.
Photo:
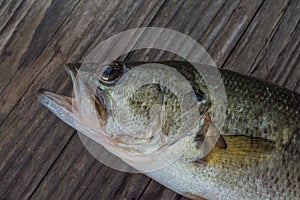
column 83, row 111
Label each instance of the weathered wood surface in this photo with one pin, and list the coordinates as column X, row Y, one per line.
column 41, row 157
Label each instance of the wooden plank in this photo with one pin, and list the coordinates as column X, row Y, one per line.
column 170, row 16
column 237, row 38
column 133, row 187
column 24, row 129
column 231, row 30
column 256, row 35
column 157, row 191
column 98, row 180
column 268, row 41
column 29, row 30
column 281, row 49
column 42, row 161
column 19, row 122
column 271, row 47
column 64, row 43
column 76, row 174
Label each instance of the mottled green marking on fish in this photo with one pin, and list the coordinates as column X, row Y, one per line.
column 256, row 157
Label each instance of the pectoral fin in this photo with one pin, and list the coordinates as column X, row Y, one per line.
column 209, row 137
column 233, row 150
column 240, row 151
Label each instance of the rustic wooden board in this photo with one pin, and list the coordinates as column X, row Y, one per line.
column 43, row 158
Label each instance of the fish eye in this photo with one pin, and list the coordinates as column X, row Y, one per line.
column 111, row 73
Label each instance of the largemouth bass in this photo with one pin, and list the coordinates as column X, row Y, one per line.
column 256, row 154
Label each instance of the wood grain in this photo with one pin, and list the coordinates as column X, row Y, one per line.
column 41, row 157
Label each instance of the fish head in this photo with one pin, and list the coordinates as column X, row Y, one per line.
column 135, row 124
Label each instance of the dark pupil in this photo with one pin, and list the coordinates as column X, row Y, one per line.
column 111, row 73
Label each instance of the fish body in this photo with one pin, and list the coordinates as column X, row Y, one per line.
column 257, row 155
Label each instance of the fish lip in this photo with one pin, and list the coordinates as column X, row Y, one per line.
column 43, row 93
column 45, row 97
column 59, row 105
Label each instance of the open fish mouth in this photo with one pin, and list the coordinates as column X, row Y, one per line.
column 84, row 112
column 88, row 113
